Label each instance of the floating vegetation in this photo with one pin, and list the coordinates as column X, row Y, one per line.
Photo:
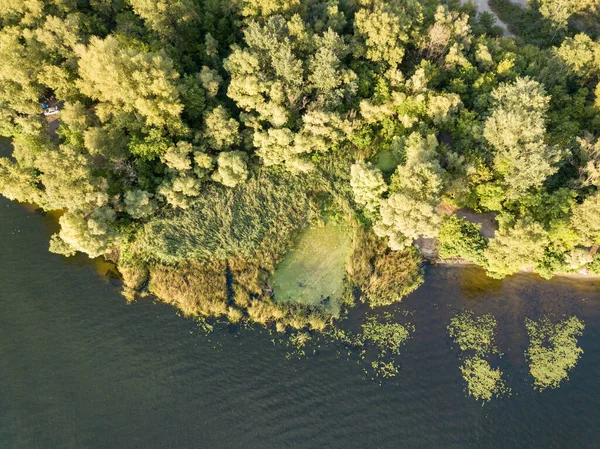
column 313, row 272
column 553, row 350
column 475, row 337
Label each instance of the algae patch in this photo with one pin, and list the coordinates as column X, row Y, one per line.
column 313, row 272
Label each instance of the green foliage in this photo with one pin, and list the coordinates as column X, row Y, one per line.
column 594, row 266
column 586, row 220
column 221, row 222
column 460, row 238
column 368, row 185
column 515, row 249
column 169, row 112
column 409, row 211
column 516, row 130
column 232, row 168
column 128, row 80
column 553, row 350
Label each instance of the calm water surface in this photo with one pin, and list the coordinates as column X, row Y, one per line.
column 81, row 369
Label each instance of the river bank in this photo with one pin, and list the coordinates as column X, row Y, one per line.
column 81, row 368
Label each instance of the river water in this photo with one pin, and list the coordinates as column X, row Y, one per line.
column 79, row 368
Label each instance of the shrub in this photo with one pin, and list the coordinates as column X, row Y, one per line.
column 460, row 238
column 383, row 276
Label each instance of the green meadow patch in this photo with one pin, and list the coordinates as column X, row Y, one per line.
column 312, row 273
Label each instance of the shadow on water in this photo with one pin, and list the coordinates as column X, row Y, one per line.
column 79, row 368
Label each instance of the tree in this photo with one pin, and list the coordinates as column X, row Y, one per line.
column 559, row 11
column 221, row 131
column 586, row 220
column 139, row 203
column 516, row 130
column 187, row 168
column 553, row 350
column 130, row 80
column 294, row 109
column 515, row 248
column 266, row 8
column 19, row 183
column 169, row 18
column 589, row 171
column 93, row 235
column 384, row 27
column 211, row 81
column 368, row 185
column 409, row 212
column 404, row 218
column 581, row 54
column 69, row 181
column 232, row 168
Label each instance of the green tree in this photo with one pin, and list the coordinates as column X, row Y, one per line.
column 232, row 168
column 368, row 185
column 139, row 203
column 586, row 220
column 130, row 80
column 516, row 130
column 409, row 212
column 515, row 248
column 559, row 11
column 294, row 109
column 221, row 131
column 460, row 238
column 384, row 28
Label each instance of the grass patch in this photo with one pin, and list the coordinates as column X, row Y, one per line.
column 313, row 272
column 387, row 160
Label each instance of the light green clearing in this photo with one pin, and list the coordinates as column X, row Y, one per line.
column 387, row 160
column 312, row 273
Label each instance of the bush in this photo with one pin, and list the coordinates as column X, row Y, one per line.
column 383, row 276
column 460, row 238
column 594, row 266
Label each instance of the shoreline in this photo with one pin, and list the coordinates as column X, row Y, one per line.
column 466, row 263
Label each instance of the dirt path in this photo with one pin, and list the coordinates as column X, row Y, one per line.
column 483, row 6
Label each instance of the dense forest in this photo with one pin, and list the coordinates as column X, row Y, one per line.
column 195, row 142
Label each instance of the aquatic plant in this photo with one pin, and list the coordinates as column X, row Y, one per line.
column 553, row 350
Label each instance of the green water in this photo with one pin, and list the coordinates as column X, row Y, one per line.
column 81, row 369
